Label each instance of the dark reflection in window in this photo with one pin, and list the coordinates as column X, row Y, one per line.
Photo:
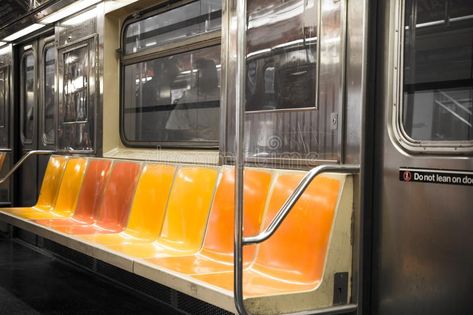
column 49, row 101
column 28, row 96
column 173, row 99
column 3, row 95
column 76, row 70
column 188, row 20
column 438, row 70
column 281, row 66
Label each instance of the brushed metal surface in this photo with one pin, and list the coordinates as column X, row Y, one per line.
column 423, row 251
column 301, row 134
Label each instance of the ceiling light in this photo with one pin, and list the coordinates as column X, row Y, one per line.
column 67, row 11
column 5, row 50
column 23, row 32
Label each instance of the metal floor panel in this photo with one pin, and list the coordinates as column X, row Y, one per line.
column 34, row 283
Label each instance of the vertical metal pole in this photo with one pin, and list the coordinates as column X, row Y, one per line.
column 239, row 157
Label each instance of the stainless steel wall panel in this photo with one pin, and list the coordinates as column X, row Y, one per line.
column 422, row 251
column 77, row 27
column 298, row 134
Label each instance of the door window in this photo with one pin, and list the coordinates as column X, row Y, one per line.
column 28, row 96
column 49, row 92
column 437, row 92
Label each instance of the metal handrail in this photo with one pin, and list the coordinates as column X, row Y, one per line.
column 288, row 205
column 22, row 160
column 240, row 96
column 239, row 240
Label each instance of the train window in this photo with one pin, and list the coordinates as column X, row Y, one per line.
column 49, row 92
column 281, row 66
column 27, row 96
column 437, row 102
column 3, row 95
column 76, row 70
column 172, row 96
column 188, row 20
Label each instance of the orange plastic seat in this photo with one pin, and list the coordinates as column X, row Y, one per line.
column 216, row 254
column 92, row 187
column 147, row 211
column 292, row 260
column 49, row 187
column 66, row 197
column 185, row 220
column 112, row 212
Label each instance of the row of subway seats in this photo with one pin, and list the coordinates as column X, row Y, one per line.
column 174, row 224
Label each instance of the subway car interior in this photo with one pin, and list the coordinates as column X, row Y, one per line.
column 236, row 157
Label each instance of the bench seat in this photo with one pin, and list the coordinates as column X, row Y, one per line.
column 111, row 213
column 93, row 184
column 174, row 224
column 180, row 231
column 216, row 254
column 49, row 188
column 66, row 177
column 274, row 269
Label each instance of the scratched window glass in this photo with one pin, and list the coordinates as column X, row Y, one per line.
column 192, row 19
column 76, row 85
column 27, row 96
column 3, row 95
column 281, row 66
column 49, row 92
column 438, row 70
column 75, row 125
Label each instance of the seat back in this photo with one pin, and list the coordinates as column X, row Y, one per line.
column 298, row 248
column 188, row 207
column 91, row 192
column 218, row 243
column 149, row 203
column 114, row 206
column 70, row 186
column 51, row 182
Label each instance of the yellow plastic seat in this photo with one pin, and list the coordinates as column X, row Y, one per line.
column 95, row 177
column 292, row 260
column 111, row 207
column 216, row 254
column 49, row 188
column 185, row 220
column 148, row 208
column 66, row 198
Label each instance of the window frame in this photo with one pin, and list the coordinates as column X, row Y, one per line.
column 91, row 43
column 5, row 71
column 434, row 147
column 24, row 54
column 174, row 47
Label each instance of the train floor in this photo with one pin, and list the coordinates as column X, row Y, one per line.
column 34, row 282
